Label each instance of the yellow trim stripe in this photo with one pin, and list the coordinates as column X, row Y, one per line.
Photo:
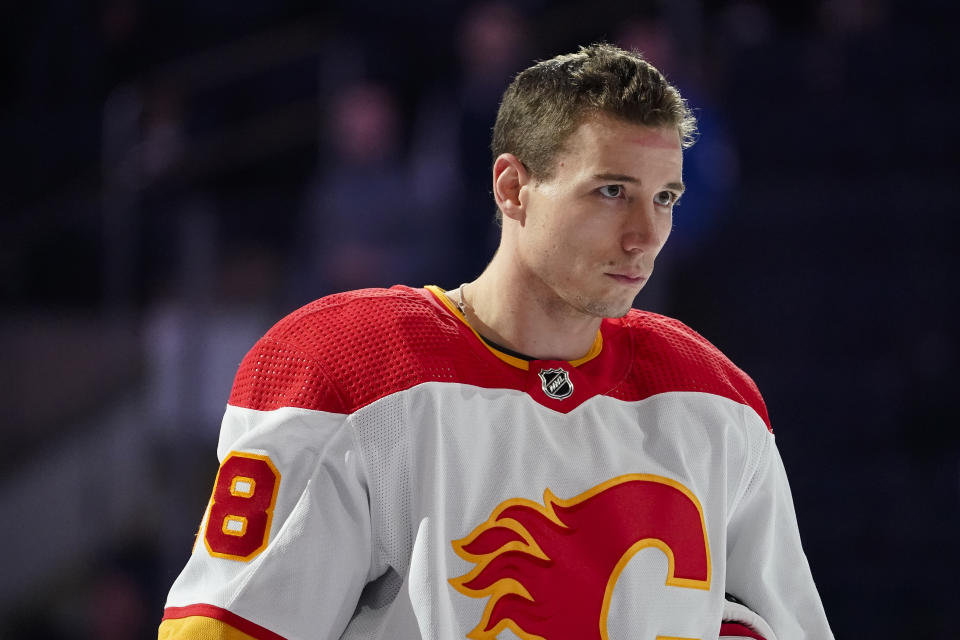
column 519, row 363
column 199, row 627
column 593, row 353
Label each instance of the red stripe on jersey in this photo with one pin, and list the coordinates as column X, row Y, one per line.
column 737, row 630
column 228, row 617
column 345, row 351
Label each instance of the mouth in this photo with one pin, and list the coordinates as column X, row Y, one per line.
column 628, row 279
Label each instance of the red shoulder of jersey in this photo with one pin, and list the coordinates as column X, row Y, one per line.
column 344, row 351
column 347, row 350
column 670, row 356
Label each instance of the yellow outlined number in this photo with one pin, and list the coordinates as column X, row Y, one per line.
column 241, row 508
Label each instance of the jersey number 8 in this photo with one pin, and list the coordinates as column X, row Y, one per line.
column 241, row 508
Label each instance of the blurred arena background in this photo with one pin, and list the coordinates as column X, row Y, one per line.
column 178, row 175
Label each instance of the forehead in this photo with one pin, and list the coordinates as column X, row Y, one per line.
column 600, row 139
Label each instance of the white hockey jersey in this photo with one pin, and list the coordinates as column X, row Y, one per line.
column 385, row 474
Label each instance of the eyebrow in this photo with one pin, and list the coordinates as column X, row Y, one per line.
column 619, row 177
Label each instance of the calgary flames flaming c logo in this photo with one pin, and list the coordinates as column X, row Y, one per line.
column 549, row 570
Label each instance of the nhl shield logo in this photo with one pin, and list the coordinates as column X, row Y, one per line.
column 556, row 383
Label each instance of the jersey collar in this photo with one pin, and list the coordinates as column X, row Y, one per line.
column 513, row 361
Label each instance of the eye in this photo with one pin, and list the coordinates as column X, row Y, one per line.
column 612, row 191
column 665, row 198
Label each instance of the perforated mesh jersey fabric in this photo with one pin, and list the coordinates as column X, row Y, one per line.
column 346, row 350
column 670, row 356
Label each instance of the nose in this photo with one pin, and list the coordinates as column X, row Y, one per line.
column 646, row 228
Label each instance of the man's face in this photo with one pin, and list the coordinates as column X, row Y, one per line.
column 591, row 232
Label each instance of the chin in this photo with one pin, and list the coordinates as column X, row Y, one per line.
column 607, row 309
column 620, row 312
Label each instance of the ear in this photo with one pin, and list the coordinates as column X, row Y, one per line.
column 509, row 177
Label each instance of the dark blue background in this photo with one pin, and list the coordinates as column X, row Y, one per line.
column 178, row 175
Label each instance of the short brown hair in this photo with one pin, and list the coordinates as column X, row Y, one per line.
column 545, row 103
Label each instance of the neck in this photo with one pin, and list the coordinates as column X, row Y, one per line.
column 516, row 314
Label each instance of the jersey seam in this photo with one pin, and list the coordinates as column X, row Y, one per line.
column 375, row 548
column 751, row 474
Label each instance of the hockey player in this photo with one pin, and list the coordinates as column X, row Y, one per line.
column 523, row 455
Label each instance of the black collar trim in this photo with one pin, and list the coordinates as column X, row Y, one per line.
column 502, row 349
